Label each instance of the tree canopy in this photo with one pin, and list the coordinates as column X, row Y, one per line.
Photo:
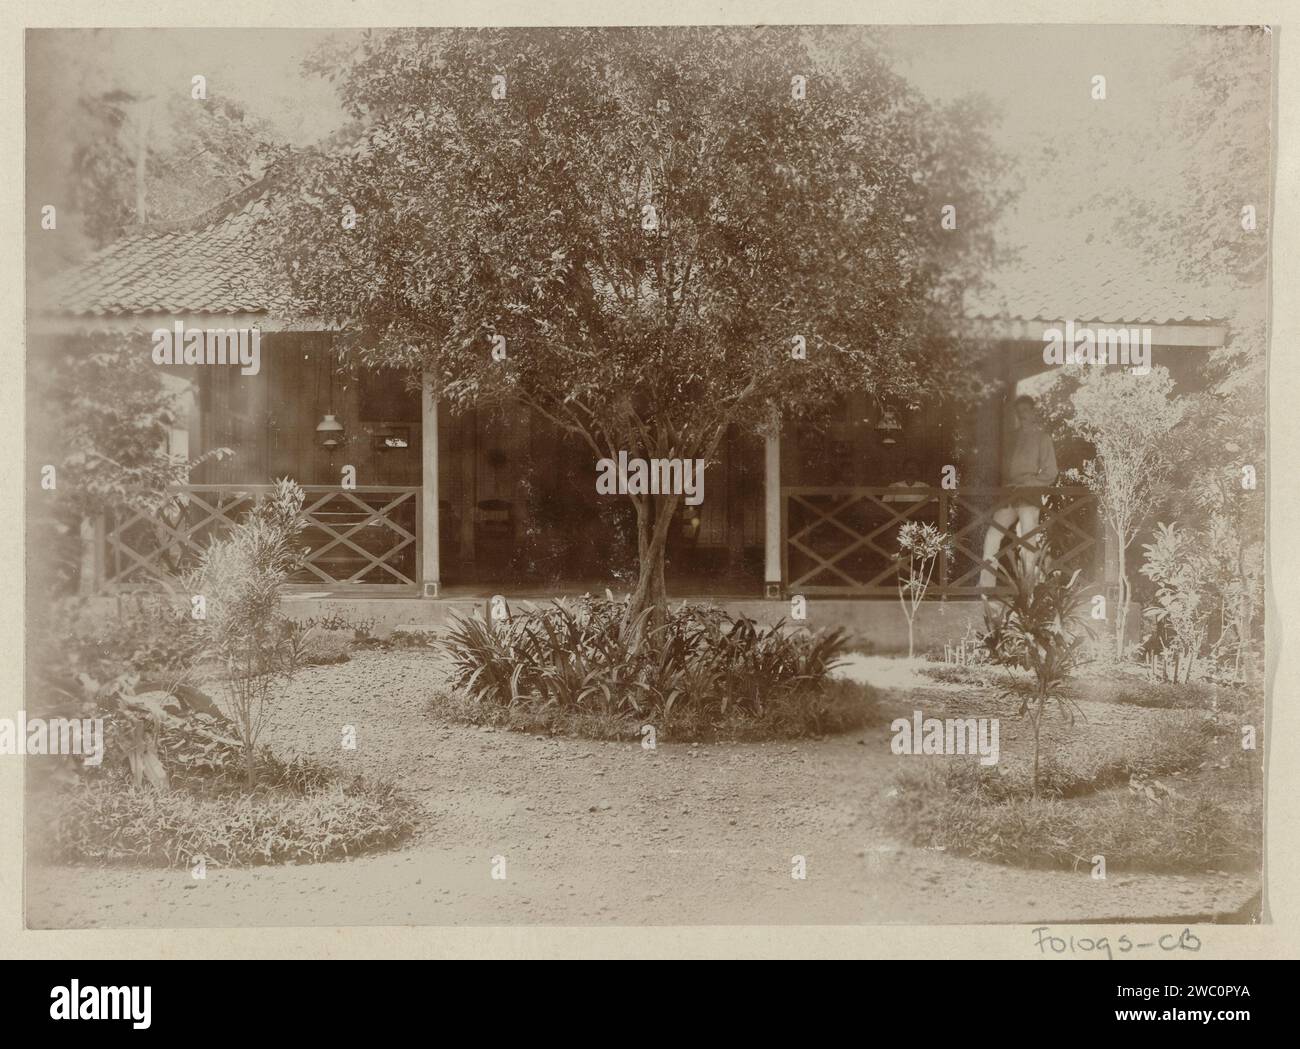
column 661, row 232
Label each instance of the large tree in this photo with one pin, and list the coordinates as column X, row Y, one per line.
column 1128, row 420
column 658, row 222
column 1205, row 205
column 113, row 148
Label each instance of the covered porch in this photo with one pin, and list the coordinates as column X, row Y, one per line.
column 406, row 499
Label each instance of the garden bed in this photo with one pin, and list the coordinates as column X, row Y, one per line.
column 1174, row 793
column 582, row 668
column 111, row 821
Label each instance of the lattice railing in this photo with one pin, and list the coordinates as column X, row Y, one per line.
column 844, row 540
column 353, row 535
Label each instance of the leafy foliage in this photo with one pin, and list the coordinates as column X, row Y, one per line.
column 1041, row 627
column 1216, row 103
column 110, row 822
column 121, row 668
column 1177, row 565
column 1129, row 420
column 1220, row 443
column 105, row 428
column 196, row 153
column 1187, row 216
column 632, row 218
column 241, row 578
column 586, row 655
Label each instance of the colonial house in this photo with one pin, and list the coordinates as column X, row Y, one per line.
column 406, row 499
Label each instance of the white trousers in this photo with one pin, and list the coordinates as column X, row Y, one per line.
column 1025, row 517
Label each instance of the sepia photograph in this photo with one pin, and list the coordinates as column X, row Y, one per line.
column 682, row 475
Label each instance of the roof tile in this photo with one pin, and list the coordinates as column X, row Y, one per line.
column 212, row 270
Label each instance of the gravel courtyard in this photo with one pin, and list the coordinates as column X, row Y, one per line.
column 609, row 833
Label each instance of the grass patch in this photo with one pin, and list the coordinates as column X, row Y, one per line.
column 1205, row 815
column 1164, row 695
column 302, row 810
column 979, row 675
column 835, row 706
column 1104, row 684
column 110, row 821
column 1180, row 744
column 1206, row 829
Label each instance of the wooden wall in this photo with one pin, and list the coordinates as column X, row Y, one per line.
column 269, row 420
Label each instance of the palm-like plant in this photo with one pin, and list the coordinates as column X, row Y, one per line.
column 241, row 578
column 1041, row 626
column 1180, row 569
column 921, row 544
column 587, row 655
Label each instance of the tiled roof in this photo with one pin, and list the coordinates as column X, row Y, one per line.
column 1097, row 284
column 208, row 267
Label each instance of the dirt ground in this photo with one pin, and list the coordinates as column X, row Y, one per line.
column 610, row 833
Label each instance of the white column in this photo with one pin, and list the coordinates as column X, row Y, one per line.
column 430, row 569
column 772, row 511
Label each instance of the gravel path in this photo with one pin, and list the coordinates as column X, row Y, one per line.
column 595, row 833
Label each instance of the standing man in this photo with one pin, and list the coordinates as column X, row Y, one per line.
column 1028, row 460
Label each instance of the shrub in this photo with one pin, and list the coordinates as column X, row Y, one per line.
column 1128, row 424
column 111, row 822
column 241, row 578
column 701, row 665
column 150, row 640
column 202, row 758
column 1178, row 621
column 1040, row 627
column 131, row 669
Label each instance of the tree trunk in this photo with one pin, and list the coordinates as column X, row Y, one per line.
column 909, row 642
column 1038, row 720
column 1121, row 613
column 654, row 516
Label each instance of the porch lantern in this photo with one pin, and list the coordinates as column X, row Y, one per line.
column 329, row 431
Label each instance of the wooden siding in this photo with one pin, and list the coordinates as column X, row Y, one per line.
column 269, row 420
